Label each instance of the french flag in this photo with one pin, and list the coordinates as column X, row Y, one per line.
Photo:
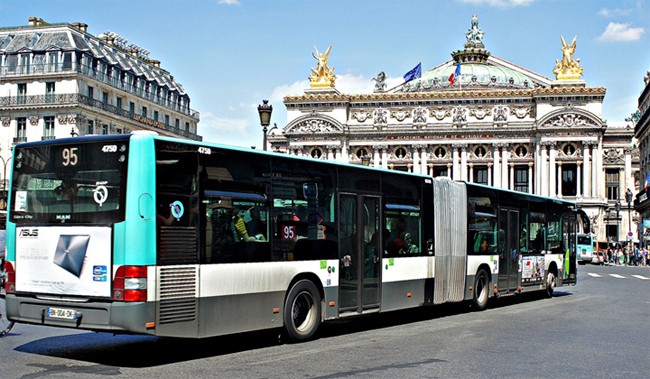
column 647, row 181
column 454, row 75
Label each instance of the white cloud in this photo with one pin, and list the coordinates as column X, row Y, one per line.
column 499, row 3
column 221, row 129
column 621, row 32
column 229, row 2
column 618, row 12
column 345, row 83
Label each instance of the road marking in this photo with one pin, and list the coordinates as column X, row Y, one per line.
column 617, row 276
column 641, row 277
column 594, row 275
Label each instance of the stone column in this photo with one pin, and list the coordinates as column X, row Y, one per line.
column 629, row 181
column 345, row 155
column 489, row 171
column 559, row 179
column 530, row 177
column 586, row 169
column 496, row 181
column 330, row 153
column 471, row 173
column 538, row 168
column 463, row 162
column 596, row 172
column 578, row 182
column 424, row 159
column 455, row 163
column 384, row 157
column 621, row 187
column 505, row 154
column 511, row 184
column 552, row 177
column 416, row 158
column 377, row 159
column 544, row 172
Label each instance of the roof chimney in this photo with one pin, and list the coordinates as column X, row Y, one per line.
column 80, row 26
column 36, row 21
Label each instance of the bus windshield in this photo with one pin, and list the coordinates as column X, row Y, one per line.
column 69, row 182
column 584, row 239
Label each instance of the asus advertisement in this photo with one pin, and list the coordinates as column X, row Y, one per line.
column 64, row 260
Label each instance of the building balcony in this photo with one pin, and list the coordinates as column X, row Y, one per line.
column 77, row 69
column 75, row 99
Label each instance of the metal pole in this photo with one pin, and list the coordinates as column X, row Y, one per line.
column 264, row 130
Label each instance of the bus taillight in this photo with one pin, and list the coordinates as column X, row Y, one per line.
column 10, row 280
column 130, row 284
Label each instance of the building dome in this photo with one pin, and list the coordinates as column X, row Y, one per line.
column 478, row 70
column 473, row 75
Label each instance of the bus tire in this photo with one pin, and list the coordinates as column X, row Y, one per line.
column 302, row 311
column 481, row 290
column 551, row 282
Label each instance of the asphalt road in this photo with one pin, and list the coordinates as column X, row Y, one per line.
column 596, row 329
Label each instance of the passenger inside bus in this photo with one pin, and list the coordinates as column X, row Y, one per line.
column 484, row 246
column 241, row 229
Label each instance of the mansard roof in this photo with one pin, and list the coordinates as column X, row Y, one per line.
column 67, row 37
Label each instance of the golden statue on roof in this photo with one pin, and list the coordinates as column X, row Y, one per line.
column 568, row 68
column 322, row 76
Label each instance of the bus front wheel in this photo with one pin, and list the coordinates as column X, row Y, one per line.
column 481, row 290
column 302, row 311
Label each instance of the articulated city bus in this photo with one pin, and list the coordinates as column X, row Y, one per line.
column 586, row 247
column 152, row 235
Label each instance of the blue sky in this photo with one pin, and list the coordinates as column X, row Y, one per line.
column 231, row 54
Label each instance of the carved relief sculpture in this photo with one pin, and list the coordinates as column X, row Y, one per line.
column 400, row 114
column 419, row 115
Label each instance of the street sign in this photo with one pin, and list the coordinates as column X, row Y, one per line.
column 630, row 234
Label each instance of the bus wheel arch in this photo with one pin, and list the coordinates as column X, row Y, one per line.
column 481, row 293
column 303, row 308
column 551, row 280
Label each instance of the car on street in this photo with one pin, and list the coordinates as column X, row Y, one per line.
column 599, row 258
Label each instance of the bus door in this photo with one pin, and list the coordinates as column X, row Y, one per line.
column 359, row 222
column 570, row 250
column 508, row 247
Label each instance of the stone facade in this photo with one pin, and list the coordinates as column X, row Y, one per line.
column 497, row 124
column 58, row 80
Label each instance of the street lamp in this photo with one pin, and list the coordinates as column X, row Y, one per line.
column 265, row 111
column 628, row 198
column 73, row 133
column 618, row 221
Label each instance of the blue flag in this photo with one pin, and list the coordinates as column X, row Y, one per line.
column 415, row 73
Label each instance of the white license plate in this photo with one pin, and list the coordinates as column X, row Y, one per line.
column 62, row 313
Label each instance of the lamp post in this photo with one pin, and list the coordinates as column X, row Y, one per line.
column 628, row 198
column 618, row 221
column 265, row 111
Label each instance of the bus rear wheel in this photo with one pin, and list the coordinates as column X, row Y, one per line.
column 302, row 311
column 481, row 290
column 551, row 282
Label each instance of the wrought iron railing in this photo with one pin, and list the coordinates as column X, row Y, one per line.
column 75, row 68
column 75, row 98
